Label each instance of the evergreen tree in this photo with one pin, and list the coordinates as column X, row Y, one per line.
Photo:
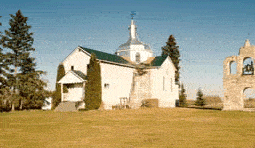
column 4, row 89
column 57, row 94
column 182, row 97
column 2, row 63
column 172, row 50
column 31, row 87
column 20, row 41
column 93, row 89
column 200, row 101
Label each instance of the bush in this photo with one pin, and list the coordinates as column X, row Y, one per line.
column 213, row 101
column 93, row 88
column 200, row 100
column 182, row 97
column 56, row 98
column 150, row 103
column 250, row 103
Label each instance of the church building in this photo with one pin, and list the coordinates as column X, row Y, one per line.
column 122, row 83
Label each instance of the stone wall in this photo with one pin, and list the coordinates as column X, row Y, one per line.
column 141, row 89
column 235, row 84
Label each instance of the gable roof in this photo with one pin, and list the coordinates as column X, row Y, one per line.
column 73, row 77
column 158, row 61
column 106, row 56
column 80, row 74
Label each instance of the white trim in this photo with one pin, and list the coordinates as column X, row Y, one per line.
column 81, row 79
column 69, row 54
column 110, row 62
column 171, row 62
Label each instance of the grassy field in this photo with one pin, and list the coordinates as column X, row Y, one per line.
column 177, row 127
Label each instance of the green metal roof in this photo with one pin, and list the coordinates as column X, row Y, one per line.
column 80, row 74
column 158, row 61
column 106, row 56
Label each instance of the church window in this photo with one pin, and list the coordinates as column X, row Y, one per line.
column 232, row 66
column 72, row 67
column 137, row 57
column 248, row 68
column 171, row 85
column 106, row 85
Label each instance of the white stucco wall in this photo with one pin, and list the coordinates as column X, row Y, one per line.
column 119, row 80
column 78, row 59
column 75, row 93
column 163, row 85
column 144, row 54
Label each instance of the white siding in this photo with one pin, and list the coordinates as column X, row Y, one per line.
column 168, row 93
column 119, row 80
column 144, row 54
column 78, row 59
column 75, row 92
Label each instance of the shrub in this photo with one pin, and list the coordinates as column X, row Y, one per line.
column 93, row 88
column 200, row 100
column 150, row 103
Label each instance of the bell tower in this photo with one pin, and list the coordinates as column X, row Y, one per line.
column 134, row 50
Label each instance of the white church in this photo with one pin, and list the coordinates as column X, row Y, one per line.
column 121, row 83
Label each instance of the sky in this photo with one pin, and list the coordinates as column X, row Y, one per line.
column 206, row 32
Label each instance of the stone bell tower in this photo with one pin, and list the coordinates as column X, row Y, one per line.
column 236, row 83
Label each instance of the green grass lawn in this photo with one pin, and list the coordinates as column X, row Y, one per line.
column 177, row 127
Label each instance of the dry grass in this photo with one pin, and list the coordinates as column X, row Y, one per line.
column 249, row 103
column 210, row 101
column 178, row 127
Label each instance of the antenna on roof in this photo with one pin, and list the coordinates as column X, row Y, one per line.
column 133, row 13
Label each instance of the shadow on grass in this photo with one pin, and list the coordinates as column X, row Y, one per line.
column 204, row 108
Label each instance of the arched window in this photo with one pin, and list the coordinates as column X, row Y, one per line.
column 248, row 68
column 249, row 98
column 137, row 57
column 232, row 66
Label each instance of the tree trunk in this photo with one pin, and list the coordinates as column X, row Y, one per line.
column 14, row 92
column 21, row 105
column 13, row 107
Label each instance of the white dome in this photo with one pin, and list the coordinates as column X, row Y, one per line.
column 134, row 47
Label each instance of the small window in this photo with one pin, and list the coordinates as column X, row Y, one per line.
column 232, row 66
column 106, row 85
column 171, row 85
column 72, row 67
column 137, row 57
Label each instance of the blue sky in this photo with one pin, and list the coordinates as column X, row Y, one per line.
column 207, row 31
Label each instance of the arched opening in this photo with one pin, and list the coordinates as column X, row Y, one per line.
column 248, row 68
column 249, row 98
column 137, row 57
column 232, row 66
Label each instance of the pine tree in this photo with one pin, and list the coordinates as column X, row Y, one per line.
column 182, row 97
column 4, row 89
column 57, row 93
column 2, row 64
column 172, row 50
column 19, row 40
column 93, row 89
column 30, row 86
column 200, row 100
